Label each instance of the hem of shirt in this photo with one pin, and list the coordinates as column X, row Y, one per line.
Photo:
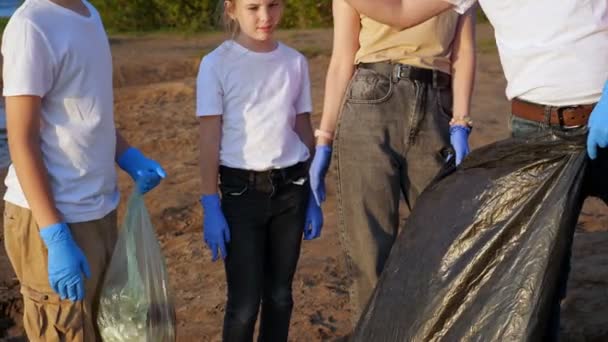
column 306, row 111
column 209, row 114
column 84, row 217
column 19, row 92
column 555, row 103
column 461, row 6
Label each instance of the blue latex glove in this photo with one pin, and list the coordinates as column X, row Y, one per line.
column 598, row 126
column 66, row 262
column 216, row 231
column 146, row 173
column 317, row 172
column 314, row 220
column 459, row 138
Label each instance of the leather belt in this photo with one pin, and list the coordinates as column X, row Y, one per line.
column 286, row 174
column 403, row 71
column 562, row 116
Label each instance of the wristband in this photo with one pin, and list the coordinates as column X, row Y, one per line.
column 463, row 121
column 324, row 134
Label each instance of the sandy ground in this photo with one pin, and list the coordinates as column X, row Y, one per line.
column 154, row 79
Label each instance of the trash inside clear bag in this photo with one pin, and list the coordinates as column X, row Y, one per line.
column 135, row 303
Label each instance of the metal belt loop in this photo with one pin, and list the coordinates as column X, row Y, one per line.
column 271, row 182
column 560, row 116
column 547, row 121
column 396, row 74
column 251, row 179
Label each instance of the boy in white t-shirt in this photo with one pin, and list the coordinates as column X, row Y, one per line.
column 60, row 218
column 254, row 104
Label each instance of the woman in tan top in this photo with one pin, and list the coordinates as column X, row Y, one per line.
column 392, row 91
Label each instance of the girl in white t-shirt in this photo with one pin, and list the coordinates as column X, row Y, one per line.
column 254, row 104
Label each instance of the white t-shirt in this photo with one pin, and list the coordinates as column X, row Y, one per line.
column 258, row 96
column 553, row 52
column 63, row 57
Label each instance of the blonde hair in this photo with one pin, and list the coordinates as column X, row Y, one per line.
column 230, row 25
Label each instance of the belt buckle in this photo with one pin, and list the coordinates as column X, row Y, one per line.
column 560, row 116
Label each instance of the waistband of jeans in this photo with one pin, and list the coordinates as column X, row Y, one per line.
column 288, row 173
column 398, row 72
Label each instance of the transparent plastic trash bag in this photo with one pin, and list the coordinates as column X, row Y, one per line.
column 135, row 304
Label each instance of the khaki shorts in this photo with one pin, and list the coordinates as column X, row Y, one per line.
column 47, row 317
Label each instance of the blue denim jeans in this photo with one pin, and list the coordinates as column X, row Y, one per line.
column 596, row 184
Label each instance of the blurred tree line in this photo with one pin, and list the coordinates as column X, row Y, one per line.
column 198, row 15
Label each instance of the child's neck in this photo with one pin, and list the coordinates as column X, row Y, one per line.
column 74, row 5
column 256, row 45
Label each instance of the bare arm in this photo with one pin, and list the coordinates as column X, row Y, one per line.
column 210, row 128
column 23, row 127
column 400, row 14
column 304, row 130
column 121, row 145
column 463, row 66
column 341, row 66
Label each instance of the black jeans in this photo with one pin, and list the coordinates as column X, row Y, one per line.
column 392, row 140
column 265, row 212
column 595, row 184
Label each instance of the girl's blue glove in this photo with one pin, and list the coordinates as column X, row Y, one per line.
column 66, row 262
column 459, row 138
column 146, row 173
column 317, row 172
column 215, row 228
column 598, row 126
column 314, row 220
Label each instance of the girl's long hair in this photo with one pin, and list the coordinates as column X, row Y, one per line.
column 230, row 25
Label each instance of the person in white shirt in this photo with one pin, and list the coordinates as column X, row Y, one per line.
column 555, row 59
column 61, row 197
column 254, row 104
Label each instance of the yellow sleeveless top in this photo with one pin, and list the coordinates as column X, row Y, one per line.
column 427, row 45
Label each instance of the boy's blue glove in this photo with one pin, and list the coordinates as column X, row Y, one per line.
column 215, row 227
column 146, row 173
column 459, row 138
column 314, row 220
column 598, row 126
column 66, row 262
column 317, row 172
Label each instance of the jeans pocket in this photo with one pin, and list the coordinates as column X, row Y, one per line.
column 233, row 190
column 301, row 181
column 445, row 102
column 11, row 219
column 368, row 86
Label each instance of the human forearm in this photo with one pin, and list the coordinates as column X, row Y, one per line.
column 23, row 127
column 341, row 66
column 336, row 84
column 303, row 129
column 463, row 67
column 209, row 146
column 121, row 145
column 400, row 14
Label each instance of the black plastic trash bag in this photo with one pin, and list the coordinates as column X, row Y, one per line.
column 480, row 256
column 135, row 305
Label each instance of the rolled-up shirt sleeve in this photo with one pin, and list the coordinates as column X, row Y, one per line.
column 462, row 6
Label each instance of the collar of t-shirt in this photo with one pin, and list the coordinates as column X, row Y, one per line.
column 66, row 11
